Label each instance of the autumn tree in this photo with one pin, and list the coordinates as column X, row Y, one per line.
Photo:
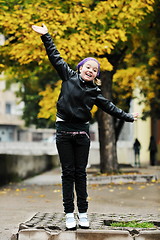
column 140, row 69
column 103, row 29
column 148, row 51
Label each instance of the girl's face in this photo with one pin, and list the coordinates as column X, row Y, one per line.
column 89, row 70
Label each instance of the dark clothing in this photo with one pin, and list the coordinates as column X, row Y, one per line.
column 153, row 150
column 77, row 96
column 73, row 144
column 137, row 147
column 72, row 127
column 73, row 151
column 74, row 104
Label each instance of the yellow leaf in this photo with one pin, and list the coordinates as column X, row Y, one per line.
column 30, row 196
column 141, row 187
column 3, row 192
column 42, row 195
column 24, row 189
column 111, row 190
column 56, row 191
column 153, row 181
column 89, row 198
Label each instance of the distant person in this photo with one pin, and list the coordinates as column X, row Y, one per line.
column 137, row 147
column 153, row 150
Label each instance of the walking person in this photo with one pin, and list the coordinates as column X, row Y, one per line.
column 153, row 150
column 137, row 147
column 78, row 95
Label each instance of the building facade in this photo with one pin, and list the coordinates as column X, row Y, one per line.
column 10, row 113
column 12, row 127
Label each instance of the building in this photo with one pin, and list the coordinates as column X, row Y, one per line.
column 12, row 127
column 10, row 113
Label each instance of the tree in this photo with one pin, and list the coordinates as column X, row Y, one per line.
column 150, row 53
column 102, row 29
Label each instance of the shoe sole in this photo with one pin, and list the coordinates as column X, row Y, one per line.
column 72, row 229
column 84, row 227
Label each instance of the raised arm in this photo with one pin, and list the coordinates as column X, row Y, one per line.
column 56, row 60
column 108, row 107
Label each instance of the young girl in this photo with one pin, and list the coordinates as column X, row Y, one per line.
column 78, row 95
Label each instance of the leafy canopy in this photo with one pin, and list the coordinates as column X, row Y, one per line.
column 79, row 28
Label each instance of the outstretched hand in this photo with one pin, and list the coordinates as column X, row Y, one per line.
column 41, row 30
column 135, row 116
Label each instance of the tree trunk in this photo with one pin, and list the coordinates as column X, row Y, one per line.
column 118, row 125
column 108, row 154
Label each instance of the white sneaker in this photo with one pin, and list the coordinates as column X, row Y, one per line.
column 70, row 221
column 83, row 220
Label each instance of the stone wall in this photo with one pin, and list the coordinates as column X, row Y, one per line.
column 18, row 167
column 28, row 148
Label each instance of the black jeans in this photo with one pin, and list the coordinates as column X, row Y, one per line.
column 73, row 151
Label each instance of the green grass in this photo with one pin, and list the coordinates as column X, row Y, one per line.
column 133, row 224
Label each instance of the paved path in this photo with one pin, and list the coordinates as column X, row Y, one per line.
column 19, row 202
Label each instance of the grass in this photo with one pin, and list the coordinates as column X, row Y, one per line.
column 133, row 224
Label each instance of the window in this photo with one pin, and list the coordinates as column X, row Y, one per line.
column 8, row 108
column 36, row 137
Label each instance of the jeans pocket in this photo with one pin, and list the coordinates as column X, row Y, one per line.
column 84, row 139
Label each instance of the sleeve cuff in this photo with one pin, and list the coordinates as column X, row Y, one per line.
column 44, row 36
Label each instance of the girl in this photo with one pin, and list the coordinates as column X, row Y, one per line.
column 78, row 95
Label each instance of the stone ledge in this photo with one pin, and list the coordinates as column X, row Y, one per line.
column 122, row 178
column 98, row 221
column 37, row 234
column 51, row 226
column 149, row 235
column 103, row 235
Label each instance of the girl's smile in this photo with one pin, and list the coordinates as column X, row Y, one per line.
column 89, row 70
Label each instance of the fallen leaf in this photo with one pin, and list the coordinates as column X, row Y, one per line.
column 111, row 190
column 42, row 195
column 94, row 185
column 129, row 188
column 3, row 192
column 153, row 180
column 56, row 191
column 89, row 198
column 121, row 182
column 30, row 196
column 141, row 187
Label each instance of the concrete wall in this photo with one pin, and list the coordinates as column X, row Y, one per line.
column 142, row 131
column 125, row 153
column 28, row 148
column 17, row 167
